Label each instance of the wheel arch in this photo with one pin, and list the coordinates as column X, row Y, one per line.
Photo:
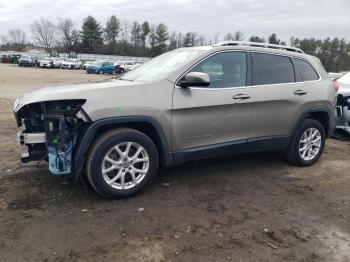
column 322, row 115
column 147, row 125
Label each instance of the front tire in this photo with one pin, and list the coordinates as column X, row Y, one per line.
column 121, row 163
column 307, row 145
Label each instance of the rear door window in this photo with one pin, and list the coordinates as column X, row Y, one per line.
column 304, row 71
column 273, row 69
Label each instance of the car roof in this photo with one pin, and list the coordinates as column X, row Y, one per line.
column 209, row 50
column 252, row 46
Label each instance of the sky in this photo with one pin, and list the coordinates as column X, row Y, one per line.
column 299, row 18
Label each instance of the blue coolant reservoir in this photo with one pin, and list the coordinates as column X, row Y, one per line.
column 60, row 161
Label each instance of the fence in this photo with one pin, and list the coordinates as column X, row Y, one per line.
column 84, row 57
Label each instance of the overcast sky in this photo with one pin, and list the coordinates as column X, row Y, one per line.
column 300, row 18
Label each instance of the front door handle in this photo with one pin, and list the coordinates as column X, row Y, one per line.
column 300, row 92
column 241, row 97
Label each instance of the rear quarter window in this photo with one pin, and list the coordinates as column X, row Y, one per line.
column 273, row 69
column 304, row 71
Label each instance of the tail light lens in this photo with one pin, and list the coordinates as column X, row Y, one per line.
column 336, row 86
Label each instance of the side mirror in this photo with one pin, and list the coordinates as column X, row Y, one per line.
column 195, row 79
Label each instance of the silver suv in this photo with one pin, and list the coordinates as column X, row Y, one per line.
column 187, row 104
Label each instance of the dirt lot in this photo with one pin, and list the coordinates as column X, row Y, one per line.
column 243, row 208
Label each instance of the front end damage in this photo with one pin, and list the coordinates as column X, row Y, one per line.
column 50, row 131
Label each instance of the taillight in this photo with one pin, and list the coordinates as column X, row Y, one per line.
column 336, row 86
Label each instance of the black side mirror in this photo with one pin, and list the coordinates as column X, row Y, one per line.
column 195, row 79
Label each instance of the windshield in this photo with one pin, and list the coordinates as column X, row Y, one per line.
column 162, row 66
column 25, row 57
column 345, row 78
column 70, row 60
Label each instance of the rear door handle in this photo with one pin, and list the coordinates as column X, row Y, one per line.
column 241, row 97
column 300, row 92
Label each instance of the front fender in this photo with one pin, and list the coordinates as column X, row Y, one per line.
column 90, row 133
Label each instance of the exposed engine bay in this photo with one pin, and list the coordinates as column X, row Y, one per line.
column 50, row 131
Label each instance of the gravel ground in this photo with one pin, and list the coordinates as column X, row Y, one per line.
column 250, row 207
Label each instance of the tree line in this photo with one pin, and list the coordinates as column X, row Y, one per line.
column 144, row 39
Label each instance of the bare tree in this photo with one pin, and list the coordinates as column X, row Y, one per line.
column 228, row 37
column 180, row 40
column 4, row 40
column 216, row 38
column 43, row 33
column 17, row 39
column 193, row 39
column 238, row 36
column 66, row 29
column 125, row 32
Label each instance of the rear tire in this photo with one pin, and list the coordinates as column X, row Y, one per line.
column 129, row 174
column 307, row 145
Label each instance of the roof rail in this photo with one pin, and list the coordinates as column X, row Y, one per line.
column 264, row 45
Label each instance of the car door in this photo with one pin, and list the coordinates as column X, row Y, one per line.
column 278, row 98
column 104, row 67
column 219, row 113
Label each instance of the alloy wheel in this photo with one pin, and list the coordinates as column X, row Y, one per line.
column 125, row 165
column 310, row 144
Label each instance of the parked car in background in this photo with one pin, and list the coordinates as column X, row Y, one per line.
column 126, row 66
column 6, row 58
column 71, row 63
column 100, row 67
column 116, row 65
column 343, row 104
column 335, row 76
column 25, row 61
column 57, row 63
column 15, row 58
column 36, row 61
column 46, row 62
column 10, row 58
column 87, row 63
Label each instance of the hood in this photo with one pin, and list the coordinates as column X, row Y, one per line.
column 89, row 91
column 344, row 89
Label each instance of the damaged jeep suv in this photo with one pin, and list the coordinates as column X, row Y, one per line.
column 187, row 104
